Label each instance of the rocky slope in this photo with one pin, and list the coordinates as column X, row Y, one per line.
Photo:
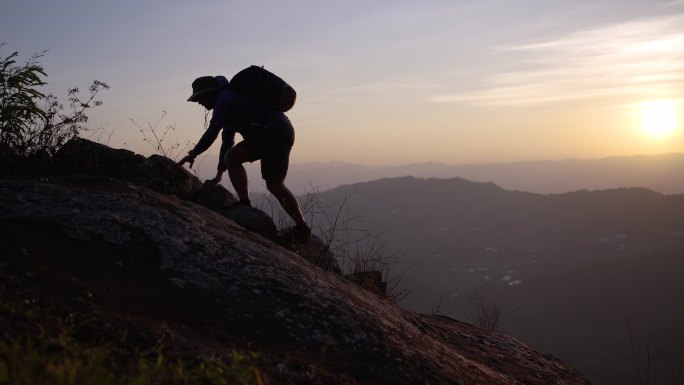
column 108, row 247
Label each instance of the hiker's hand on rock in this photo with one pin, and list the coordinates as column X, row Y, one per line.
column 187, row 159
column 217, row 178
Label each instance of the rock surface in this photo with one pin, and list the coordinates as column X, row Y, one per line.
column 151, row 259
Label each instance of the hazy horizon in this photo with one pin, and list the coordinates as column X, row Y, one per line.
column 397, row 164
column 660, row 173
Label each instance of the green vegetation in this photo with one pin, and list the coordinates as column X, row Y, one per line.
column 31, row 121
column 37, row 346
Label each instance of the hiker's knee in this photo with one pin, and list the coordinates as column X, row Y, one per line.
column 236, row 156
column 276, row 187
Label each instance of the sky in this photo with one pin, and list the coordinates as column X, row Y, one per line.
column 381, row 82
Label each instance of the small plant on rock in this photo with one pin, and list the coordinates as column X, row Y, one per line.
column 158, row 138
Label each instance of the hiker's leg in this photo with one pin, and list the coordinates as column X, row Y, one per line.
column 234, row 160
column 287, row 200
column 274, row 151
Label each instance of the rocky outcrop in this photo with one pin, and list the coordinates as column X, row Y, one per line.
column 158, row 173
column 154, row 259
column 141, row 244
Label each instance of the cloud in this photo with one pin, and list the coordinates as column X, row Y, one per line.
column 637, row 58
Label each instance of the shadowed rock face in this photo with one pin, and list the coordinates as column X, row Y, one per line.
column 80, row 156
column 154, row 259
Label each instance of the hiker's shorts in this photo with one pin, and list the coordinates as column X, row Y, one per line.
column 273, row 149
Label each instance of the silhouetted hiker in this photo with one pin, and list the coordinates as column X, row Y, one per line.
column 267, row 135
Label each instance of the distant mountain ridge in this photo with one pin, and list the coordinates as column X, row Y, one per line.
column 564, row 224
column 661, row 173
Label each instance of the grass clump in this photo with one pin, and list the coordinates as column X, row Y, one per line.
column 38, row 346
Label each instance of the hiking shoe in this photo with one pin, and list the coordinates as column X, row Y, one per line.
column 241, row 204
column 301, row 233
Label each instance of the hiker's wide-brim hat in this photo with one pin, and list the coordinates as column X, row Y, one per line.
column 202, row 85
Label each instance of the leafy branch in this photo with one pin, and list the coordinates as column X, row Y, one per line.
column 31, row 121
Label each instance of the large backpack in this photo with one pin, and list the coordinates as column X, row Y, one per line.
column 258, row 83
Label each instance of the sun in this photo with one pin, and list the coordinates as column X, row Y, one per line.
column 659, row 118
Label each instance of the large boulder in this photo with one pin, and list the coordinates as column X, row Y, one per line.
column 161, row 174
column 252, row 219
column 212, row 196
column 128, row 253
column 83, row 157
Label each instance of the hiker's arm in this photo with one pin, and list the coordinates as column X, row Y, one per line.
column 218, row 119
column 205, row 142
column 226, row 144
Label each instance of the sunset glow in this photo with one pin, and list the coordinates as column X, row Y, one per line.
column 659, row 118
column 383, row 82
